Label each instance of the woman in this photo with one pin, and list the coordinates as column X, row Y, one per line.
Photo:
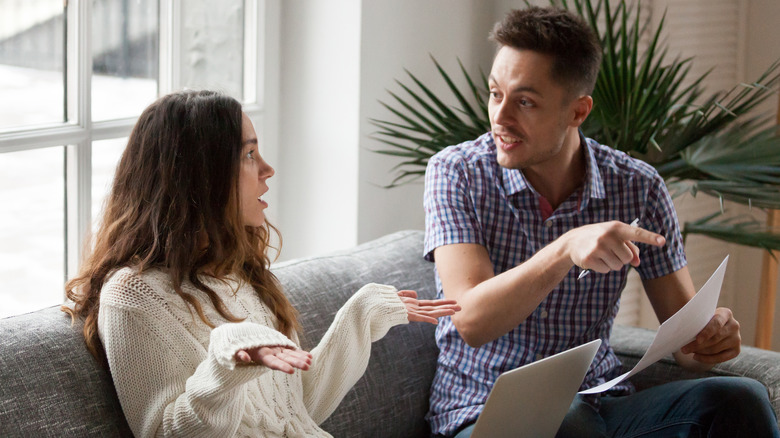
column 178, row 299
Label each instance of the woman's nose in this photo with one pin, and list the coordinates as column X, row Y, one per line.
column 266, row 171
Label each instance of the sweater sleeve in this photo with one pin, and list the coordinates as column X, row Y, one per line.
column 165, row 385
column 342, row 355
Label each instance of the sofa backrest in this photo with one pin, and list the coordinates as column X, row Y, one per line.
column 391, row 399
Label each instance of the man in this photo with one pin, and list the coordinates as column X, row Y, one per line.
column 514, row 217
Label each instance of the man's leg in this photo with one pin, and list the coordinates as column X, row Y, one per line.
column 582, row 420
column 710, row 407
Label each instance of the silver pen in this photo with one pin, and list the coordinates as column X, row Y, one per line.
column 634, row 223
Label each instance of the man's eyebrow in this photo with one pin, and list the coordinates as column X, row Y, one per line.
column 526, row 89
column 520, row 89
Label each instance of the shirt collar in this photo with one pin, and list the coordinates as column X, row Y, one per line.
column 594, row 184
column 514, row 181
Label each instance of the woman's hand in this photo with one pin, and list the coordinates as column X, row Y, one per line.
column 276, row 358
column 427, row 310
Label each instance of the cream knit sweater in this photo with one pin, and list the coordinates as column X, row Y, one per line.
column 175, row 376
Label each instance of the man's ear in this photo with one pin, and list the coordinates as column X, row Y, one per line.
column 581, row 107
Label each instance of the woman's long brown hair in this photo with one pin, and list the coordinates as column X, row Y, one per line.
column 176, row 188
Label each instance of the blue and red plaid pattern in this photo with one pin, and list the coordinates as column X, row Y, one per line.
column 469, row 198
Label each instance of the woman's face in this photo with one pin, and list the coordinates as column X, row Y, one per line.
column 251, row 178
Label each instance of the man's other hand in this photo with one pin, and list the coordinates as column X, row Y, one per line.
column 718, row 341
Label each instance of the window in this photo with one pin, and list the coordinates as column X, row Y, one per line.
column 74, row 77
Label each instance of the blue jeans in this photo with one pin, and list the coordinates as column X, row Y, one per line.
column 711, row 407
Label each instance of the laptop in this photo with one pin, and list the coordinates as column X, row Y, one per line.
column 531, row 401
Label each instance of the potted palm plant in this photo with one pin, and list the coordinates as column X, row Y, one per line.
column 644, row 105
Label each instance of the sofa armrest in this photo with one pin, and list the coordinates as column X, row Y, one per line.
column 630, row 344
column 49, row 383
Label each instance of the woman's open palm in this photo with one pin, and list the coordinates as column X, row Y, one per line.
column 427, row 310
column 283, row 359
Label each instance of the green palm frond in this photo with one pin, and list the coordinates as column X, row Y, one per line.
column 740, row 164
column 645, row 104
column 742, row 230
column 423, row 132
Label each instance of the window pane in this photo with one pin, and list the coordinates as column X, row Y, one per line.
column 32, row 229
column 105, row 157
column 212, row 45
column 32, row 44
column 125, row 57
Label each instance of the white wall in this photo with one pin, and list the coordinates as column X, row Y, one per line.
column 337, row 58
column 319, row 126
column 400, row 34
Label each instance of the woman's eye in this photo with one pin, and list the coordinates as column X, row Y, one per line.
column 250, row 155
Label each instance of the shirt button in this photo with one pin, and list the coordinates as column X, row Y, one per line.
column 543, row 314
column 538, row 357
column 548, row 224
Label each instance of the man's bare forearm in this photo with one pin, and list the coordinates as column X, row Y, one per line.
column 496, row 305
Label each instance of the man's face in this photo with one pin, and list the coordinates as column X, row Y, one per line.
column 529, row 112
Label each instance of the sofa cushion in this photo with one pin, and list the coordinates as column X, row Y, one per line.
column 50, row 384
column 391, row 399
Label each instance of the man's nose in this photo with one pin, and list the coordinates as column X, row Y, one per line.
column 501, row 114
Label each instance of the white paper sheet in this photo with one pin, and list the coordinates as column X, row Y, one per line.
column 680, row 329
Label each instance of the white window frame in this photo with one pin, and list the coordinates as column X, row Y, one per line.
column 261, row 43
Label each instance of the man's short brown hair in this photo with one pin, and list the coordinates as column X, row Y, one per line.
column 556, row 32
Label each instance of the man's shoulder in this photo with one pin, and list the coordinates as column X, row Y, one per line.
column 468, row 153
column 618, row 162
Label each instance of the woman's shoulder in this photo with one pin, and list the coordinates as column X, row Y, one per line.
column 129, row 287
column 151, row 291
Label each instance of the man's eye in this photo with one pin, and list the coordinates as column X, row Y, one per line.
column 524, row 102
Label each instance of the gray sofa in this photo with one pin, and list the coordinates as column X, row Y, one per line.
column 51, row 386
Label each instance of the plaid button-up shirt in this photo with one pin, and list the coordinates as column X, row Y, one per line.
column 469, row 198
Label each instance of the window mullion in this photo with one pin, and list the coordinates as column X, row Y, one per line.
column 112, row 128
column 170, row 47
column 251, row 55
column 78, row 188
column 41, row 138
column 79, row 154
